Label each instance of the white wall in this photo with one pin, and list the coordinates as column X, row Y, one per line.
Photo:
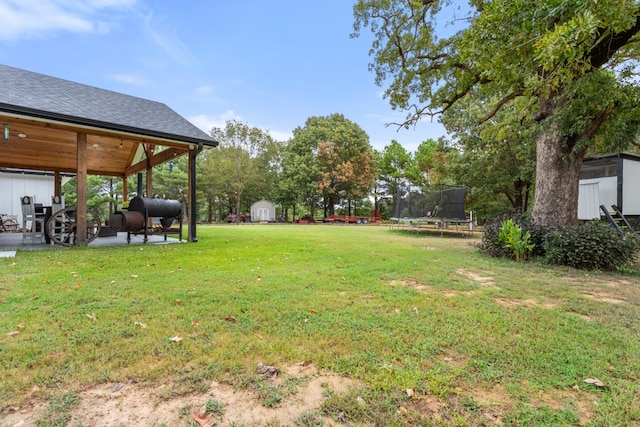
column 607, row 191
column 13, row 186
column 630, row 187
column 589, row 201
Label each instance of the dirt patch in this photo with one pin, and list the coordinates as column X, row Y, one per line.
column 529, row 302
column 497, row 401
column 603, row 297
column 427, row 407
column 476, row 277
column 111, row 405
column 413, row 284
column 581, row 316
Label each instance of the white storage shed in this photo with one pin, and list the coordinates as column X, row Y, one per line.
column 263, row 210
column 609, row 180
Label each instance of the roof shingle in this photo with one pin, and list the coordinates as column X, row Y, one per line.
column 39, row 95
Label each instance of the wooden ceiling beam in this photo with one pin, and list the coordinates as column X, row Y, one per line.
column 161, row 157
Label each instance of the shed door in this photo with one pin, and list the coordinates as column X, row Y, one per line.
column 589, row 201
column 263, row 214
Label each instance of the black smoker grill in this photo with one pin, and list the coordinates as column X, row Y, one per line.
column 138, row 218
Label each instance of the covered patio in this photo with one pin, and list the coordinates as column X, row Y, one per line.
column 61, row 127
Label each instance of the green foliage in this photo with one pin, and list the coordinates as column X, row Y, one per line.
column 591, row 246
column 215, row 407
column 241, row 167
column 512, row 237
column 563, row 69
column 330, row 156
column 588, row 246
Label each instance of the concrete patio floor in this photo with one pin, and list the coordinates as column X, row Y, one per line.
column 12, row 242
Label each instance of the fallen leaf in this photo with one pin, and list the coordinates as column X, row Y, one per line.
column 267, row 370
column 258, row 279
column 594, row 381
column 20, row 325
column 260, row 337
column 92, row 316
column 312, row 311
column 175, row 339
column 195, row 322
column 79, row 286
column 142, row 325
column 178, row 302
column 202, row 420
column 45, row 282
column 13, row 333
column 231, row 319
column 409, row 392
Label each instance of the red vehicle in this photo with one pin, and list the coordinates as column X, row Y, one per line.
column 355, row 219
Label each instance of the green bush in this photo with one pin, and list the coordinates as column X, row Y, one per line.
column 513, row 239
column 491, row 244
column 590, row 246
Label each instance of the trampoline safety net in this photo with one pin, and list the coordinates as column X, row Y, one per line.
column 444, row 202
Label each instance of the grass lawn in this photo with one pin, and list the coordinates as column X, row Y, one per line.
column 432, row 332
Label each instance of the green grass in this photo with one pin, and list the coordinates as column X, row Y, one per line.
column 473, row 337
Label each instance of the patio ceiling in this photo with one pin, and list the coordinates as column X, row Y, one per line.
column 44, row 118
column 39, row 144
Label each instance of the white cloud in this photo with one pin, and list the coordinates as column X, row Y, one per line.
column 208, row 122
column 38, row 18
column 159, row 30
column 130, row 79
column 204, row 90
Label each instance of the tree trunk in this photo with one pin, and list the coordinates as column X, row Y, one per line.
column 557, row 180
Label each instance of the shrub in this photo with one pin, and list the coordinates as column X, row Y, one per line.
column 491, row 244
column 513, row 239
column 590, row 246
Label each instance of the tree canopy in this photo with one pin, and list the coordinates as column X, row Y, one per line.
column 331, row 156
column 568, row 65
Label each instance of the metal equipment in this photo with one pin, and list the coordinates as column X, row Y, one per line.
column 62, row 226
column 139, row 218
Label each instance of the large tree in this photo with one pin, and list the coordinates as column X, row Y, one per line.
column 395, row 165
column 570, row 64
column 331, row 156
column 240, row 165
column 497, row 156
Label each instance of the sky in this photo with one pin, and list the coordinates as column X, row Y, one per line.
column 270, row 64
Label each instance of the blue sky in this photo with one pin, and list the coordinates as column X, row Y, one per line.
column 271, row 64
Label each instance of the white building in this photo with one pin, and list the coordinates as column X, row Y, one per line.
column 609, row 180
column 15, row 184
column 263, row 210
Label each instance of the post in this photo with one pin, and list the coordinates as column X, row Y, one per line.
column 81, row 208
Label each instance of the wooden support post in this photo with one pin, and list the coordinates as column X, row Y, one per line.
column 57, row 184
column 125, row 190
column 81, row 208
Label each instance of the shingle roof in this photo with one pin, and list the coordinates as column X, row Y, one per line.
column 39, row 95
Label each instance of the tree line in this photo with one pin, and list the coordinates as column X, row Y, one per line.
column 525, row 89
column 327, row 167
